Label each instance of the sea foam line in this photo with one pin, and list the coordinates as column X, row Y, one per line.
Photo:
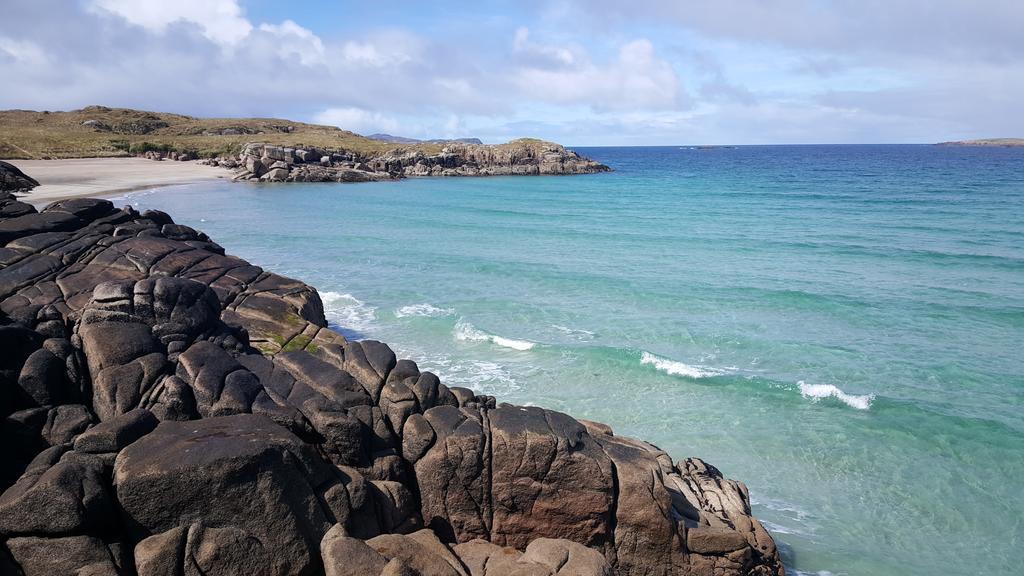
column 676, row 368
column 818, row 391
column 465, row 331
column 422, row 310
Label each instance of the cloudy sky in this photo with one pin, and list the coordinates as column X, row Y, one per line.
column 582, row 72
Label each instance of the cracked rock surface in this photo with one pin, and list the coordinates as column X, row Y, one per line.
column 169, row 409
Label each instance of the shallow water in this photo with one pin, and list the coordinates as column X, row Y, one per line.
column 838, row 326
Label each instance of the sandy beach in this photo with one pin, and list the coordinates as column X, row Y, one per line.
column 98, row 177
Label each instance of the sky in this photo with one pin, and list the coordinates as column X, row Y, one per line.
column 580, row 72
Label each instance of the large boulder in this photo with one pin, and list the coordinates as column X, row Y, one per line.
column 241, row 472
column 542, row 557
column 61, row 492
column 62, row 556
column 510, row 475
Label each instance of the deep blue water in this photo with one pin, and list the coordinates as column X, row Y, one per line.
column 838, row 326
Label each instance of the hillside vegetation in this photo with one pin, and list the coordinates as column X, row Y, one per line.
column 97, row 131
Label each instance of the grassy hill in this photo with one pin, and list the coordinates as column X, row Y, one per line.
column 100, row 131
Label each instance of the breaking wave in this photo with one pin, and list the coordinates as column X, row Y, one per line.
column 818, row 391
column 347, row 312
column 675, row 368
column 422, row 310
column 465, row 331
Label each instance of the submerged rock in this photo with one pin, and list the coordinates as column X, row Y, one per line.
column 169, row 409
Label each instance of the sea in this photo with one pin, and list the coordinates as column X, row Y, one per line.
column 840, row 327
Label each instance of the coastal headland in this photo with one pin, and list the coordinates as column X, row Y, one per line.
column 172, row 409
column 98, row 150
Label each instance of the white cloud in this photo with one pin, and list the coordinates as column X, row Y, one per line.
column 635, row 79
column 357, row 120
column 23, row 51
column 294, row 41
column 539, row 53
column 220, row 20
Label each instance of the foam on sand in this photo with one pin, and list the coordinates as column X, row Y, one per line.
column 422, row 310
column 467, row 332
column 818, row 391
column 675, row 368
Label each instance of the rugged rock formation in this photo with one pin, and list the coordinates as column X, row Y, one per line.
column 520, row 157
column 14, row 180
column 172, row 410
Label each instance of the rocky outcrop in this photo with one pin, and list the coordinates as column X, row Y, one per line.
column 14, row 180
column 268, row 163
column 170, row 409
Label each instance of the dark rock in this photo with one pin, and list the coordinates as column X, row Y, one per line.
column 43, row 379
column 546, row 462
column 30, row 224
column 14, row 180
column 61, row 492
column 197, row 549
column 84, row 208
column 67, row 556
column 117, row 433
column 242, row 471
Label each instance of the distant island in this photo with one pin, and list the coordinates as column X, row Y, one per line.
column 403, row 140
column 987, row 142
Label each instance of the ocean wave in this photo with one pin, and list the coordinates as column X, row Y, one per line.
column 467, row 332
column 348, row 312
column 578, row 333
column 676, row 368
column 422, row 310
column 818, row 391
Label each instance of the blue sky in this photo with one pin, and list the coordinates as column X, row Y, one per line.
column 595, row 72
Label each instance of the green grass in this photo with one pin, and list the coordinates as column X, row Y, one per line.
column 27, row 134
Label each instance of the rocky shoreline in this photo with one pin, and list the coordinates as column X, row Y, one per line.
column 173, row 410
column 266, row 163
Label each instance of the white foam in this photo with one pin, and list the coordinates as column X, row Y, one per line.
column 578, row 333
column 818, row 391
column 467, row 332
column 481, row 376
column 422, row 310
column 675, row 368
column 347, row 311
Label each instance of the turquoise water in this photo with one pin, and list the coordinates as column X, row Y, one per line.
column 838, row 326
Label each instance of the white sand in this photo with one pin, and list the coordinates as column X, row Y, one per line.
column 100, row 177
